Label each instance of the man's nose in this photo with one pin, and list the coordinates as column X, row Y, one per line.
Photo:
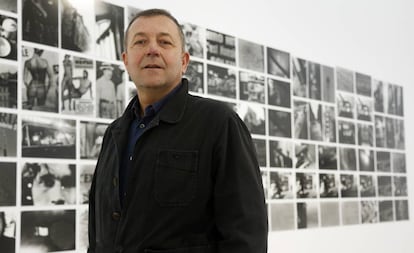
column 56, row 195
column 153, row 49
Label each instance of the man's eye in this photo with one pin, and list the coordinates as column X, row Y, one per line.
column 165, row 42
column 48, row 180
column 139, row 42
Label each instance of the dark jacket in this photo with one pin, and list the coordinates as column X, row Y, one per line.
column 194, row 187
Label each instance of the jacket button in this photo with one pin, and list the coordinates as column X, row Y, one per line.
column 116, row 216
column 115, row 181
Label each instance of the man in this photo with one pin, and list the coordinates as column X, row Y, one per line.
column 106, row 93
column 176, row 173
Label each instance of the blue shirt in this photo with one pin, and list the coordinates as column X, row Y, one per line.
column 136, row 129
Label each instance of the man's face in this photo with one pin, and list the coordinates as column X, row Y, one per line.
column 154, row 57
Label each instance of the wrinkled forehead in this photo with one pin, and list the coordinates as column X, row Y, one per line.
column 58, row 170
column 158, row 24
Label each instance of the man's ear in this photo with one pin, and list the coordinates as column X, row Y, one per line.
column 125, row 58
column 185, row 62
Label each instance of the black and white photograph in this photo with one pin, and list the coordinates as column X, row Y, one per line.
column 46, row 184
column 398, row 163
column 350, row 212
column 366, row 159
column 278, row 93
column 195, row 38
column 386, row 210
column 328, row 84
column 383, row 161
column 282, row 216
column 109, row 30
column 110, row 90
column 349, row 186
column 390, row 132
column 329, row 214
column 345, row 80
column 300, row 120
column 7, row 231
column 306, row 185
column 384, row 186
column 314, row 80
column 221, row 47
column 347, row 159
column 195, row 76
column 85, row 180
column 280, row 124
column 395, row 100
column 265, row 181
column 346, row 132
column 91, row 137
column 77, row 25
column 252, row 87
column 380, row 132
column 369, row 211
column 40, row 91
column 7, row 184
column 367, row 186
column 363, row 84
column 328, row 185
column 328, row 157
column 82, row 225
column 395, row 133
column 400, row 186
column 77, row 86
column 9, row 5
column 251, row 55
column 281, row 185
column 8, row 85
column 40, row 21
column 305, row 156
column 253, row 116
column 401, row 210
column 346, row 105
column 278, row 63
column 315, row 121
column 260, row 146
column 47, row 231
column 307, row 215
column 329, row 124
column 280, row 154
column 365, row 135
column 364, row 108
column 221, row 81
column 300, row 77
column 8, row 37
column 48, row 137
column 378, row 93
column 131, row 12
column 8, row 134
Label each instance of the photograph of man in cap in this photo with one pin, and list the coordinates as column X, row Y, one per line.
column 106, row 92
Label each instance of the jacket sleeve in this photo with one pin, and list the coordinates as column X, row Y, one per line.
column 239, row 206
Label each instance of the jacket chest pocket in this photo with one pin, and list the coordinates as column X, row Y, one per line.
column 176, row 177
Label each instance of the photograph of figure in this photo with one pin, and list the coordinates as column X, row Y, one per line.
column 278, row 63
column 350, row 212
column 48, row 137
column 281, row 185
column 400, row 186
column 7, row 184
column 278, row 93
column 349, row 187
column 395, row 100
column 251, row 87
column 379, row 99
column 195, row 38
column 253, row 115
column 328, row 84
column 307, row 215
column 108, row 78
column 8, row 86
column 345, row 80
column 109, row 30
column 384, row 186
column 383, row 161
column 282, row 216
column 260, row 146
column 300, row 120
column 367, row 186
column 369, row 213
column 47, row 231
column 329, row 124
column 221, row 47
column 265, row 181
column 315, row 121
column 8, row 37
column 45, row 184
column 366, row 160
column 314, row 79
column 221, row 81
column 329, row 214
column 398, row 163
column 306, row 185
column 40, row 89
column 328, row 158
column 346, row 105
column 401, row 210
column 365, row 135
column 363, row 84
column 346, row 132
column 305, row 156
column 280, row 154
column 40, row 21
column 86, row 174
column 195, row 76
column 280, row 124
column 77, row 88
column 7, row 232
column 77, row 25
column 328, row 185
column 395, row 133
column 380, row 132
column 91, row 137
column 8, row 134
column 347, row 158
column 386, row 210
column 251, row 55
column 364, row 108
column 300, row 77
column 9, row 5
column 82, row 224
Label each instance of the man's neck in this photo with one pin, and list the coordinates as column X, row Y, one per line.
column 149, row 96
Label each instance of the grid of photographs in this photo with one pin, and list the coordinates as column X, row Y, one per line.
column 330, row 141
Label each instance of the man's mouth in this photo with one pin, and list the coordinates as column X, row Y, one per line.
column 152, row 66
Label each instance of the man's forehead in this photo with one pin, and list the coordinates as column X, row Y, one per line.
column 149, row 25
